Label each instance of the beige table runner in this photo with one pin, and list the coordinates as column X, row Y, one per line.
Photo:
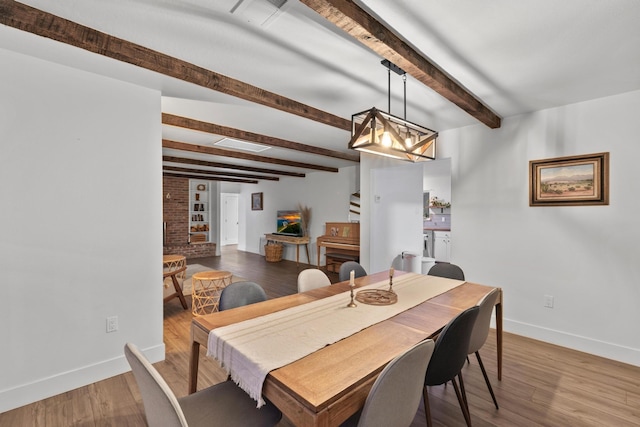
column 249, row 350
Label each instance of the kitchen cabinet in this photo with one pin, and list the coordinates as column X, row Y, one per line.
column 442, row 246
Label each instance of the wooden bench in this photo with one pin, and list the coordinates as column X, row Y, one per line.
column 335, row 260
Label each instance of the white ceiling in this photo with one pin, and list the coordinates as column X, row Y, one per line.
column 516, row 56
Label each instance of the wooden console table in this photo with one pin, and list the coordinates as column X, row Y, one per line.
column 291, row 240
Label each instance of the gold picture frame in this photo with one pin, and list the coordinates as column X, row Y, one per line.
column 256, row 201
column 569, row 181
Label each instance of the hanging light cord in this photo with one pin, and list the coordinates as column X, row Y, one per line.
column 389, row 90
column 404, row 81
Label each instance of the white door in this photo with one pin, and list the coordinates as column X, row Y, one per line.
column 229, row 216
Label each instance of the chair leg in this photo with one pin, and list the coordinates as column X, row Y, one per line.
column 486, row 379
column 461, row 401
column 427, row 409
column 463, row 391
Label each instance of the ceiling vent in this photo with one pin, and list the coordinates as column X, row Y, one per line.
column 258, row 12
column 241, row 145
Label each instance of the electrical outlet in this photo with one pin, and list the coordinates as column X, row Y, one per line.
column 548, row 301
column 112, row 324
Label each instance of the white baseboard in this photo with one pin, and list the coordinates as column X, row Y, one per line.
column 47, row 387
column 604, row 349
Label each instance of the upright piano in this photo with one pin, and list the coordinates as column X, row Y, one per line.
column 341, row 241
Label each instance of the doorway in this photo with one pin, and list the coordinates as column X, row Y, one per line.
column 229, row 219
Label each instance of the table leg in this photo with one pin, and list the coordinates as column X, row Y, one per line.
column 499, row 335
column 306, row 246
column 193, row 366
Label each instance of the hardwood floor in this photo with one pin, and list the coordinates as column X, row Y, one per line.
column 543, row 384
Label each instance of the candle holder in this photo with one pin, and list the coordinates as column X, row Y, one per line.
column 352, row 304
column 391, row 281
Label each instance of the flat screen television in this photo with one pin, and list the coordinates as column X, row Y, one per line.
column 289, row 223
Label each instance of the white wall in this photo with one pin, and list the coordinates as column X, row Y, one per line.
column 396, row 216
column 437, row 179
column 326, row 193
column 585, row 257
column 80, row 185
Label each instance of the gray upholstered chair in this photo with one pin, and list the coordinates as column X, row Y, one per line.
column 223, row 404
column 312, row 278
column 239, row 294
column 395, row 396
column 481, row 332
column 347, row 267
column 444, row 269
column 448, row 358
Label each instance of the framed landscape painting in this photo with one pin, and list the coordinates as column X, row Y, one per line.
column 569, row 181
column 256, row 201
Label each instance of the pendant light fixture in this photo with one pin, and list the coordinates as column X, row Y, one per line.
column 376, row 132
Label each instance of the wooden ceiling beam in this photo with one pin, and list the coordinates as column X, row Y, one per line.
column 195, row 148
column 218, row 173
column 198, row 162
column 209, row 178
column 373, row 34
column 36, row 21
column 193, row 124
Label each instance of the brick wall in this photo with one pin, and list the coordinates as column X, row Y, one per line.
column 175, row 213
column 175, row 210
column 194, row 250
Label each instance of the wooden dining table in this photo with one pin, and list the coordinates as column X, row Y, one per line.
column 329, row 385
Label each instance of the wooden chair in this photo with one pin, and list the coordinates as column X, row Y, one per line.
column 177, row 287
column 174, row 267
column 223, row 404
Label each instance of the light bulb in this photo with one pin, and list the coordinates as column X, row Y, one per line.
column 410, row 138
column 386, row 139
